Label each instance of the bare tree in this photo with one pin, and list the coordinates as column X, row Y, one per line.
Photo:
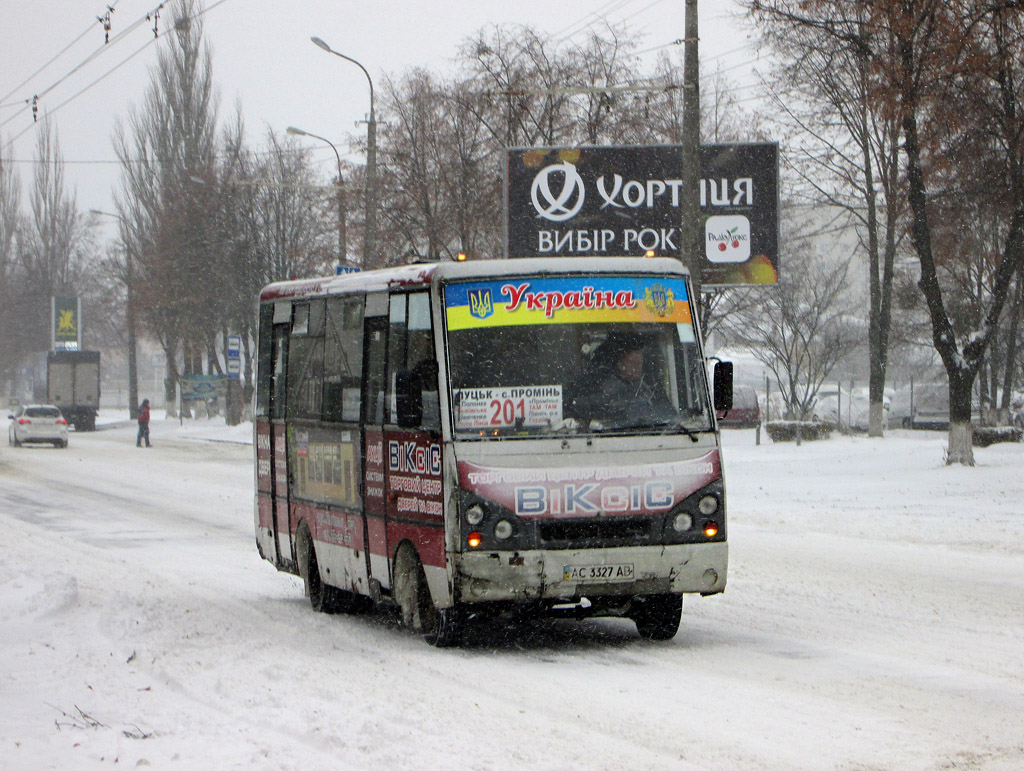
column 443, row 146
column 801, row 328
column 50, row 253
column 522, row 81
column 472, row 169
column 960, row 66
column 950, row 73
column 167, row 200
column 12, row 341
column 293, row 230
column 844, row 149
column 413, row 152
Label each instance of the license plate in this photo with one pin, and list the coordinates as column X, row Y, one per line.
column 597, row 573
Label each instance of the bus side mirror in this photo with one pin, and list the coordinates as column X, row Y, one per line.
column 408, row 398
column 723, row 385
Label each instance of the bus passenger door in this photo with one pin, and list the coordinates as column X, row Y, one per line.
column 404, row 494
column 413, row 486
column 375, row 510
column 279, row 444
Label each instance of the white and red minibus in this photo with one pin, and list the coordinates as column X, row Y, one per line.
column 492, row 437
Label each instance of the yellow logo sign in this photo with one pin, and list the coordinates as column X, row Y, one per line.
column 66, row 322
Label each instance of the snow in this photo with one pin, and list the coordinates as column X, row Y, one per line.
column 873, row 619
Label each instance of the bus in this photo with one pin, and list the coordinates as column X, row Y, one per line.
column 492, row 438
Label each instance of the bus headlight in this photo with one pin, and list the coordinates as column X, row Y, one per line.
column 708, row 505
column 503, row 530
column 711, row 529
column 475, row 514
column 682, row 522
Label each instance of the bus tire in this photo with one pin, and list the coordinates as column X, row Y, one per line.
column 440, row 627
column 657, row 616
column 323, row 598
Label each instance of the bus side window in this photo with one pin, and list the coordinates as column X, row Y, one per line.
column 420, row 357
column 376, row 335
column 278, row 378
column 411, row 352
column 306, row 361
column 265, row 362
column 343, row 359
column 397, row 329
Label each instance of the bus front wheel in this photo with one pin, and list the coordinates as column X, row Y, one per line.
column 657, row 616
column 439, row 626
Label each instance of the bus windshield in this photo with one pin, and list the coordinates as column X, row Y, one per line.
column 592, row 354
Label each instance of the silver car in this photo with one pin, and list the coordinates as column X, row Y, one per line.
column 38, row 423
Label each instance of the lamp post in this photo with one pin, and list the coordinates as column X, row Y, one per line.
column 342, row 246
column 370, row 234
column 133, row 371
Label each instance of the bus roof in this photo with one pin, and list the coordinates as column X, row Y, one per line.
column 422, row 274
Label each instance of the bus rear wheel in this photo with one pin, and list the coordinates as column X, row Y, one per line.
column 440, row 627
column 657, row 616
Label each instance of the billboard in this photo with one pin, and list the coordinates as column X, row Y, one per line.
column 66, row 323
column 625, row 201
column 203, row 386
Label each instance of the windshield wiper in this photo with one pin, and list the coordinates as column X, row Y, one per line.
column 666, row 426
column 677, row 424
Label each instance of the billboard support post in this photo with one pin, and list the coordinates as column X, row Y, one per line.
column 690, row 239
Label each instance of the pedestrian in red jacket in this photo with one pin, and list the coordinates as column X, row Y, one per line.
column 143, row 424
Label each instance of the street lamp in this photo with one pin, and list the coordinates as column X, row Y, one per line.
column 370, row 234
column 342, row 246
column 133, row 371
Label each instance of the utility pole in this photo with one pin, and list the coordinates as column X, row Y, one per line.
column 691, row 238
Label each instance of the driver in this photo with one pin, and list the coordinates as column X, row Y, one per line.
column 627, row 382
column 623, row 390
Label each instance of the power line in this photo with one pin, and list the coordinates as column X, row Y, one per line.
column 92, row 56
column 54, row 58
column 642, row 10
column 74, row 96
column 300, row 150
column 150, row 16
column 584, row 21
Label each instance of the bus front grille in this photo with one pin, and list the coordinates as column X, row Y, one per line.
column 591, row 533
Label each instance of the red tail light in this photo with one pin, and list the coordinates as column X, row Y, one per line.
column 61, row 422
column 24, row 421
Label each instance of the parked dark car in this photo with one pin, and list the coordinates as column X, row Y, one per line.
column 745, row 412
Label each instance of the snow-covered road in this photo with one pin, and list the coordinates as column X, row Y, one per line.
column 873, row 619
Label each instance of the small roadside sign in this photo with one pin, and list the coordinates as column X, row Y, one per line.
column 234, row 357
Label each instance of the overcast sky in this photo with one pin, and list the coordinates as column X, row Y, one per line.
column 264, row 60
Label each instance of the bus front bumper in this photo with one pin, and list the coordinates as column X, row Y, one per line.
column 571, row 574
